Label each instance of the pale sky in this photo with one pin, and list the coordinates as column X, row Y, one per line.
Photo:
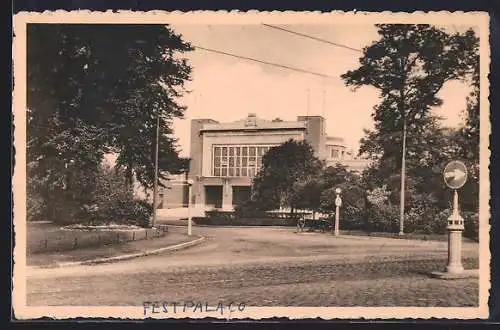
column 227, row 89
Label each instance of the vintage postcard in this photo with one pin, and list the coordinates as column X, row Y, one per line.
column 251, row 165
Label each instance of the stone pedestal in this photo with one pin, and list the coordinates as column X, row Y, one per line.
column 454, row 252
column 455, row 227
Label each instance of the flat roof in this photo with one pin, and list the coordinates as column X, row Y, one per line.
column 253, row 123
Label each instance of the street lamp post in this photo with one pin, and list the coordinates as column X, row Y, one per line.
column 403, row 170
column 190, row 185
column 155, row 183
column 338, row 203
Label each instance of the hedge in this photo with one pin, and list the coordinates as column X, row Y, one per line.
column 231, row 220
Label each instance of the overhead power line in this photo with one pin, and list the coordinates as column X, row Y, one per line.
column 313, row 38
column 282, row 66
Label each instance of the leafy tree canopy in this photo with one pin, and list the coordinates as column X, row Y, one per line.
column 282, row 168
column 94, row 89
column 409, row 65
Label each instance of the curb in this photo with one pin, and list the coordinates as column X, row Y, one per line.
column 175, row 247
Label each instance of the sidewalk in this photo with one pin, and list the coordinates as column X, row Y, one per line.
column 171, row 241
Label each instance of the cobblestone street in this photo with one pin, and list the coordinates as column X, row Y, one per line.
column 268, row 267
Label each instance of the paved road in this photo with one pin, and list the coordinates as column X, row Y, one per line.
column 268, row 267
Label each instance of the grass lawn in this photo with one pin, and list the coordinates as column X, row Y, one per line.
column 50, row 259
column 46, row 237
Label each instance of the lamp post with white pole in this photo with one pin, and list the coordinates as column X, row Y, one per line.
column 338, row 203
column 403, row 178
column 190, row 185
column 155, row 183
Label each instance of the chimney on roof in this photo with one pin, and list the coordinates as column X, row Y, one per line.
column 251, row 120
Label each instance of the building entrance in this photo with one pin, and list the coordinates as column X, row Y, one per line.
column 213, row 196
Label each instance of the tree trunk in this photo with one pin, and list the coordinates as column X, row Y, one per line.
column 129, row 177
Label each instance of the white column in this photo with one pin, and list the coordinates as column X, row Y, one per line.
column 190, row 185
column 199, row 197
column 227, row 196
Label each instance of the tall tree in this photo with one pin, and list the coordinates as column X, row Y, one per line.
column 275, row 185
column 95, row 89
column 116, row 78
column 409, row 65
column 468, row 135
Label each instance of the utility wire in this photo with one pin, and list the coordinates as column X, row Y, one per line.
column 282, row 66
column 313, row 38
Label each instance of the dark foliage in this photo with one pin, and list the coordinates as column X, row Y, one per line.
column 95, row 89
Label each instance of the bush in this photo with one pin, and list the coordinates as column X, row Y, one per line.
column 435, row 222
column 140, row 213
column 34, row 206
column 471, row 224
column 91, row 196
column 249, row 218
column 382, row 218
column 228, row 221
column 222, row 215
column 423, row 218
column 438, row 226
column 352, row 217
column 114, row 201
column 380, row 215
column 57, row 194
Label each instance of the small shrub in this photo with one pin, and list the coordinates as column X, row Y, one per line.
column 382, row 218
column 378, row 196
column 422, row 219
column 114, row 202
column 248, row 207
column 435, row 222
column 440, row 220
column 215, row 214
column 225, row 221
column 352, row 217
column 471, row 224
column 35, row 207
column 380, row 215
column 200, row 220
column 140, row 213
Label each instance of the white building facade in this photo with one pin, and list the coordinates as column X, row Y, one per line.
column 226, row 156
